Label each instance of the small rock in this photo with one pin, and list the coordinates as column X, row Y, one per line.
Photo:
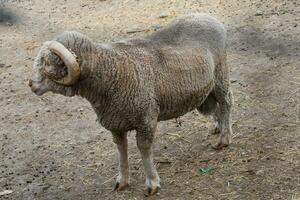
column 268, row 147
column 155, row 27
column 260, row 172
column 233, row 80
column 5, row 192
column 163, row 15
column 259, row 13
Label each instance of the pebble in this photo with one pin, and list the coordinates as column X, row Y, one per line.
column 5, row 192
column 155, row 27
column 259, row 172
column 163, row 15
column 259, row 13
column 233, row 80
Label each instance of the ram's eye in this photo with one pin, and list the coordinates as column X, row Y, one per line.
column 45, row 62
column 63, row 71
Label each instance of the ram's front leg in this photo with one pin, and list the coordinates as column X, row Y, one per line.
column 122, row 182
column 145, row 136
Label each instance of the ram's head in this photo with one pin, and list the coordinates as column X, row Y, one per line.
column 55, row 69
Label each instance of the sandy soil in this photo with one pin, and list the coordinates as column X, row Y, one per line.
column 51, row 147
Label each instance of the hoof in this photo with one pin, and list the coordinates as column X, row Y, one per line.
column 223, row 141
column 121, row 186
column 219, row 146
column 153, row 186
column 152, row 191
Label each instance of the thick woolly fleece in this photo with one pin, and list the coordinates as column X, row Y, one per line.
column 165, row 75
column 133, row 84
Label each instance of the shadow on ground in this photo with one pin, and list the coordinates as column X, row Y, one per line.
column 7, row 16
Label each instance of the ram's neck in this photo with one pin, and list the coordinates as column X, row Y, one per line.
column 98, row 71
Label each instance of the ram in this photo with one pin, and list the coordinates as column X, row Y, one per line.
column 135, row 83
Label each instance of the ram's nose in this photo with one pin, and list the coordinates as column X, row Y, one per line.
column 30, row 83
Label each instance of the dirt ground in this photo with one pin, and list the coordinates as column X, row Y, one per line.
column 51, row 147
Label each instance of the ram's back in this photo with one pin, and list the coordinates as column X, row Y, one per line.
column 198, row 29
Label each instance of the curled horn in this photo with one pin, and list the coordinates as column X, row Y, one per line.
column 70, row 61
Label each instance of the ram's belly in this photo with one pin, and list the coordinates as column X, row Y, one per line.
column 183, row 79
column 176, row 103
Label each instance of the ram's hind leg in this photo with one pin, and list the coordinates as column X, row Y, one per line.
column 210, row 107
column 223, row 113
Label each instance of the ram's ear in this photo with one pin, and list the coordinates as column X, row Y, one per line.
column 55, row 73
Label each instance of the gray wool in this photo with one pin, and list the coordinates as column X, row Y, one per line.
column 135, row 83
column 158, row 77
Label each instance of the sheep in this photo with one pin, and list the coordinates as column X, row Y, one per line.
column 135, row 83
